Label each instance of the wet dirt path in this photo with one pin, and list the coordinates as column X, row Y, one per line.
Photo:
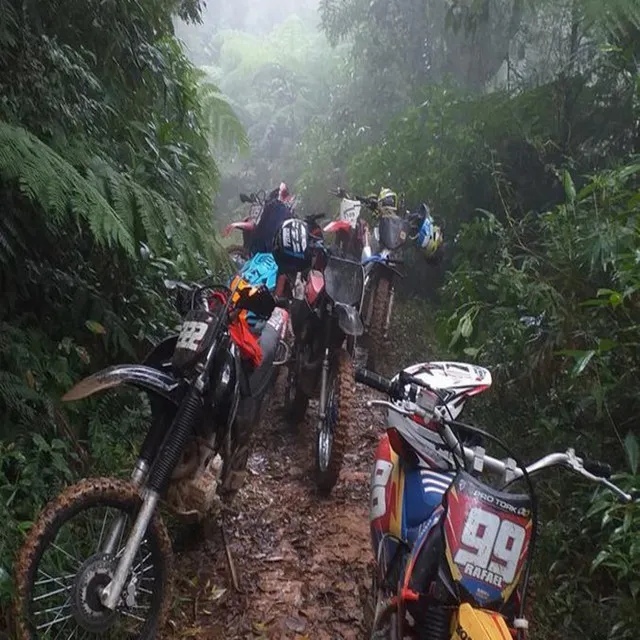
column 301, row 559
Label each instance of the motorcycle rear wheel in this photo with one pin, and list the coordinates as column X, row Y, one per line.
column 84, row 569
column 331, row 437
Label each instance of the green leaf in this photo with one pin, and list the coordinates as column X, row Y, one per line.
column 633, row 452
column 466, row 327
column 569, row 187
column 95, row 327
column 40, row 442
column 582, row 362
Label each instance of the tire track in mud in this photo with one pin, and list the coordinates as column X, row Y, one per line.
column 301, row 559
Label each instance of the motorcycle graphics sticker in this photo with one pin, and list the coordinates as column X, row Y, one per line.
column 487, row 536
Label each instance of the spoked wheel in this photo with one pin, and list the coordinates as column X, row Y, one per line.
column 238, row 254
column 70, row 555
column 331, row 435
column 295, row 401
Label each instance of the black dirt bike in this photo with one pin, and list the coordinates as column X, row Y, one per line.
column 98, row 559
column 323, row 320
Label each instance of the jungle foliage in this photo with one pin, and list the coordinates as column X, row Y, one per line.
column 516, row 120
column 106, row 186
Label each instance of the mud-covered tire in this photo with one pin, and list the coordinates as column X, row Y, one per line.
column 73, row 500
column 376, row 341
column 344, row 390
column 295, row 401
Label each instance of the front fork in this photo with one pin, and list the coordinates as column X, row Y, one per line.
column 110, row 595
column 324, row 379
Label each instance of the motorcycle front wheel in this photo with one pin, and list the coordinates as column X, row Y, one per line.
column 331, row 435
column 63, row 565
column 295, row 400
column 380, row 305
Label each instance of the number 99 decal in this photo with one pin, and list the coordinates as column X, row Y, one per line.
column 490, row 544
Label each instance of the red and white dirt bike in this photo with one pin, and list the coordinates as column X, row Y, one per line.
column 240, row 253
column 452, row 541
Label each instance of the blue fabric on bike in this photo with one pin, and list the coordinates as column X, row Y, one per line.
column 259, row 269
column 273, row 215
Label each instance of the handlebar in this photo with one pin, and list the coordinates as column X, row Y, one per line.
column 372, row 203
column 282, row 302
column 373, row 380
column 597, row 468
column 593, row 470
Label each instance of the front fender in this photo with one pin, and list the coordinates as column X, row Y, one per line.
column 379, row 262
column 349, row 319
column 136, row 375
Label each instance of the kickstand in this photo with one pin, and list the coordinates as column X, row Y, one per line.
column 230, row 563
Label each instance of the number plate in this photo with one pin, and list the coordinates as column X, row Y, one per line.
column 487, row 535
column 195, row 337
column 191, row 335
column 349, row 211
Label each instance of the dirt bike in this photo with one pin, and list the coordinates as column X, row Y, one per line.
column 322, row 318
column 98, row 558
column 379, row 252
column 240, row 253
column 452, row 550
column 261, row 205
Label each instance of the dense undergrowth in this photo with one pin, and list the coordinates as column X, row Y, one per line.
column 106, row 185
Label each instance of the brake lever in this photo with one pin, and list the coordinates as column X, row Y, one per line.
column 389, row 405
column 575, row 464
column 411, row 408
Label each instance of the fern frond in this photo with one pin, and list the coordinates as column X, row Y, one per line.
column 56, row 187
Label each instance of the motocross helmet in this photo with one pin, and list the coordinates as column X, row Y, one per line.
column 388, row 202
column 430, row 237
column 291, row 249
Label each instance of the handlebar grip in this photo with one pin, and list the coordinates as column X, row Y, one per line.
column 374, row 380
column 600, row 469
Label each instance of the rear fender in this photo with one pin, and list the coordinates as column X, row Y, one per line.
column 337, row 225
column 349, row 319
column 136, row 375
column 243, row 226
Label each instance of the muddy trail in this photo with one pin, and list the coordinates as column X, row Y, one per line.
column 300, row 558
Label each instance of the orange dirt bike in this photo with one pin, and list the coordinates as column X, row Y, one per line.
column 452, row 540
column 97, row 561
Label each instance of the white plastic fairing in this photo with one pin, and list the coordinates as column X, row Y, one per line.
column 349, row 211
column 453, row 376
column 454, row 382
